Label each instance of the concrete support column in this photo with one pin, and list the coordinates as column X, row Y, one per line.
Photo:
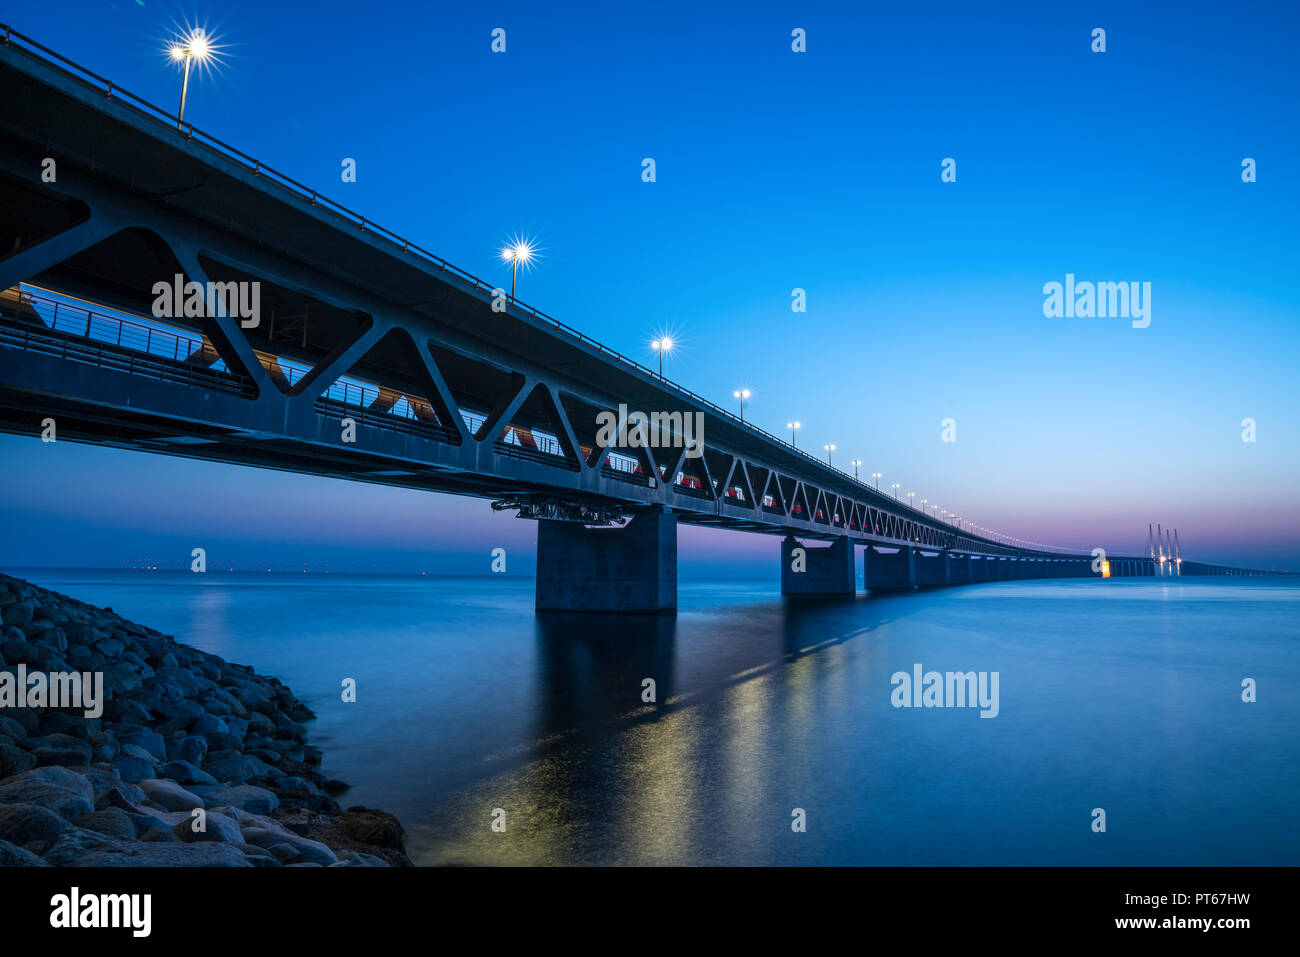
column 818, row 571
column 959, row 569
column 930, row 570
column 631, row 569
column 889, row 571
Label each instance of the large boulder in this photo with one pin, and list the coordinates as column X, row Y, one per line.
column 13, row 856
column 308, row 851
column 169, row 795
column 14, row 760
column 238, row 767
column 31, row 827
column 145, row 738
column 246, row 797
column 217, row 827
column 112, row 821
column 154, row 854
column 56, row 788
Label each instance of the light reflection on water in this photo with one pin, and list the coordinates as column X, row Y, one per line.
column 1122, row 694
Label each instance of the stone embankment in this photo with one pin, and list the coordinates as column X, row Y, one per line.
column 193, row 760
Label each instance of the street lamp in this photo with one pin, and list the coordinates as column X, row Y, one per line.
column 856, row 463
column 661, row 346
column 830, row 450
column 794, row 428
column 742, row 395
column 519, row 251
column 895, row 488
column 923, row 501
column 194, row 48
column 877, row 476
column 910, row 496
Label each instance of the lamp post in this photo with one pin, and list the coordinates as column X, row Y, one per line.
column 195, row 48
column 856, row 464
column 661, row 346
column 742, row 395
column 877, row 476
column 895, row 487
column 520, row 251
column 794, row 428
column 910, row 496
column 830, row 450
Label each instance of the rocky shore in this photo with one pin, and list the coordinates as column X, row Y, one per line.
column 193, row 761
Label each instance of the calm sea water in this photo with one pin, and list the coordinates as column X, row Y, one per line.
column 1123, row 695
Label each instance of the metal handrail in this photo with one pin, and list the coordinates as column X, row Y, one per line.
column 99, row 327
column 192, row 133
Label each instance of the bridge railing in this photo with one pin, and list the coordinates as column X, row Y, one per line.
column 79, row 321
column 258, row 168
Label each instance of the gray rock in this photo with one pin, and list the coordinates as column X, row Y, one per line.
column 185, row 773
column 184, row 709
column 62, row 757
column 170, row 795
column 284, row 853
column 27, row 718
column 76, row 842
column 12, row 856
column 151, row 741
column 15, row 760
column 133, row 769
column 238, row 768
column 56, row 788
column 12, row 728
column 36, row 628
column 246, row 797
column 161, row 835
column 258, row 856
column 104, row 778
column 296, row 785
column 125, row 796
column 31, row 827
column 206, row 724
column 103, row 747
column 112, row 821
column 19, row 613
column 203, row 854
column 308, row 851
column 129, row 711
column 218, row 828
column 122, row 679
column 110, row 648
column 192, row 748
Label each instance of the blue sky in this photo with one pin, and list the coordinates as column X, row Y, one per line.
column 778, row 170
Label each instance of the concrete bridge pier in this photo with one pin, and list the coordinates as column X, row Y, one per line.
column 959, row 569
column 632, row 569
column 818, row 571
column 885, row 570
column 931, row 570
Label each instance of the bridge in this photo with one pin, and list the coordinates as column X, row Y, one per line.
column 368, row 358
